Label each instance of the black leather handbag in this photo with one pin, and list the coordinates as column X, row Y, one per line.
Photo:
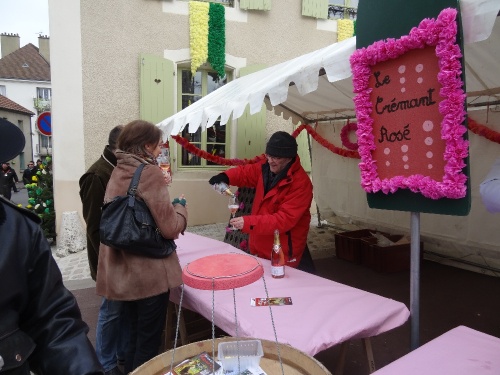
column 127, row 224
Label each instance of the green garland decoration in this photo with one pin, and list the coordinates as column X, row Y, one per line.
column 217, row 38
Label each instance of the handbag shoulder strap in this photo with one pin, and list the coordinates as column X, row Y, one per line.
column 132, row 189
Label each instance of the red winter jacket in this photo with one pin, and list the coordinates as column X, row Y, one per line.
column 285, row 207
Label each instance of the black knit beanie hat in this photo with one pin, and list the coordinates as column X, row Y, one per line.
column 282, row 145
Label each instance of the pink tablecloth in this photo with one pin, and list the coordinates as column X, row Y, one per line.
column 324, row 313
column 461, row 351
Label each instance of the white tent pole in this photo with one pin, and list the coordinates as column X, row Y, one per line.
column 311, row 160
column 415, row 280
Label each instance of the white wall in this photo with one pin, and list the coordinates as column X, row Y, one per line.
column 67, row 104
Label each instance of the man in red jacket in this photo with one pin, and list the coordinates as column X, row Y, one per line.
column 283, row 195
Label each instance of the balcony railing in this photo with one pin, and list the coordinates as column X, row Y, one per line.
column 41, row 105
column 341, row 11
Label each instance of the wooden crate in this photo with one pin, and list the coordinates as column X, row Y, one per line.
column 348, row 244
column 388, row 259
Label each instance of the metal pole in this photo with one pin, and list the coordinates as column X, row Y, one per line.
column 415, row 280
column 311, row 159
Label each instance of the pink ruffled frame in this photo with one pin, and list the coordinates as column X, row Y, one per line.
column 440, row 33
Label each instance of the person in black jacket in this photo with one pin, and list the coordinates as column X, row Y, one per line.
column 8, row 178
column 16, row 179
column 111, row 333
column 41, row 329
column 29, row 172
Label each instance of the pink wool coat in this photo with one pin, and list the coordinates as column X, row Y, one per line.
column 124, row 276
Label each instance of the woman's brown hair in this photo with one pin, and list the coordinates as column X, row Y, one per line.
column 136, row 135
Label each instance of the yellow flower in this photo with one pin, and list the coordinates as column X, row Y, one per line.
column 345, row 29
column 20, row 205
column 34, row 178
column 198, row 33
column 29, row 206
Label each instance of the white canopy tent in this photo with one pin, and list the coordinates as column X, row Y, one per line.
column 317, row 86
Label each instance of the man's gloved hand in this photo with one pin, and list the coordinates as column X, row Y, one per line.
column 218, row 178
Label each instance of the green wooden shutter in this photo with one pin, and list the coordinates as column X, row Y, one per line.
column 255, row 4
column 315, row 8
column 156, row 88
column 251, row 139
column 303, row 151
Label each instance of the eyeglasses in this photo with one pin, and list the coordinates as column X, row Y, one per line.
column 276, row 158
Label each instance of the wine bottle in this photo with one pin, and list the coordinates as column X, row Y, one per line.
column 277, row 258
column 223, row 189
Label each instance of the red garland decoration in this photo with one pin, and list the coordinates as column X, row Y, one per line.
column 323, row 142
column 344, row 135
column 184, row 143
column 483, row 131
column 213, row 158
column 474, row 127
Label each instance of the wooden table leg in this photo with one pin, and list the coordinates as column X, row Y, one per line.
column 339, row 369
column 182, row 328
column 171, row 325
column 367, row 344
column 167, row 331
column 369, row 354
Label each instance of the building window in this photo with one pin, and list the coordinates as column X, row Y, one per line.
column 44, row 145
column 3, row 90
column 43, row 93
column 42, row 100
column 347, row 9
column 45, row 141
column 215, row 139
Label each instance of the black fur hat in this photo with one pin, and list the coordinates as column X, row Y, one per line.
column 12, row 141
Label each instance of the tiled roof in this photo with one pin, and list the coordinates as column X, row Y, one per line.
column 7, row 104
column 25, row 64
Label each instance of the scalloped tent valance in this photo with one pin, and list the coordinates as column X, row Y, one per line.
column 317, row 86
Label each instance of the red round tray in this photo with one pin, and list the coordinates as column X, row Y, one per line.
column 222, row 271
